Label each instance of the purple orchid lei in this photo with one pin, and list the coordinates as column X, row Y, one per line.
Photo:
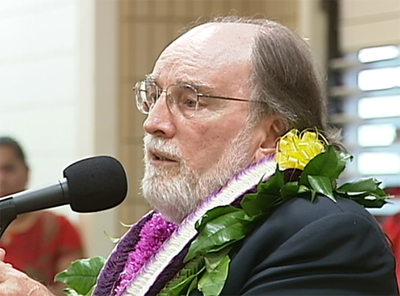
column 152, row 236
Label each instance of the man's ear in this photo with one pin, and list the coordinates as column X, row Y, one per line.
column 270, row 131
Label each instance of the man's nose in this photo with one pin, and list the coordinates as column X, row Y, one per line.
column 160, row 121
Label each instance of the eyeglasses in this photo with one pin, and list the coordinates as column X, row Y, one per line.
column 182, row 96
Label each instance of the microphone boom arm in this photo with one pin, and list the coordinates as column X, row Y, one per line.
column 19, row 203
column 8, row 213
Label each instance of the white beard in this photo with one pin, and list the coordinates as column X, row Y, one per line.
column 176, row 191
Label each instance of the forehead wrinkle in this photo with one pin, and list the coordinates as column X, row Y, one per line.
column 177, row 54
column 182, row 78
column 198, row 84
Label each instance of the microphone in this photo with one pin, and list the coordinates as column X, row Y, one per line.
column 89, row 185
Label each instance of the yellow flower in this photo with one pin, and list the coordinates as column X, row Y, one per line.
column 295, row 149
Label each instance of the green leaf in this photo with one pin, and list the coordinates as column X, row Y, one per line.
column 268, row 196
column 70, row 292
column 81, row 276
column 213, row 280
column 364, row 191
column 367, row 199
column 219, row 233
column 343, row 159
column 381, row 192
column 192, row 286
column 322, row 185
column 186, row 278
column 370, row 200
column 306, row 192
column 362, row 185
column 214, row 213
column 273, row 185
column 212, row 260
column 254, row 204
column 289, row 190
column 187, row 283
column 90, row 292
column 304, row 189
column 325, row 164
column 313, row 194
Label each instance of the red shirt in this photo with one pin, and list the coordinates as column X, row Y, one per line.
column 37, row 251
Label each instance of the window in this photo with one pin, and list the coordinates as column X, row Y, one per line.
column 366, row 105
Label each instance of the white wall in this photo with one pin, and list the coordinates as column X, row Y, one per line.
column 59, row 92
column 367, row 23
column 98, row 105
column 310, row 13
column 39, row 82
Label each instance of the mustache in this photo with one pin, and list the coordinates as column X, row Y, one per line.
column 161, row 145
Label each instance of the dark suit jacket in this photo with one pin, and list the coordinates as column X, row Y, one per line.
column 319, row 248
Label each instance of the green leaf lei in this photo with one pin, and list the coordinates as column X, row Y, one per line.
column 223, row 226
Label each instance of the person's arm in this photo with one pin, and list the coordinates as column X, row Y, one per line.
column 16, row 283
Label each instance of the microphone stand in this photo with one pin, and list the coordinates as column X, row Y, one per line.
column 7, row 213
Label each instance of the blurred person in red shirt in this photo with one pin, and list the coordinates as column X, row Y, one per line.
column 41, row 243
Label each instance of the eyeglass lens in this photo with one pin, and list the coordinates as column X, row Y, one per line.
column 181, row 96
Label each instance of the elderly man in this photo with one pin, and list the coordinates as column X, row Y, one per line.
column 218, row 99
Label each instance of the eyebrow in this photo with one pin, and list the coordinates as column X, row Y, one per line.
column 197, row 84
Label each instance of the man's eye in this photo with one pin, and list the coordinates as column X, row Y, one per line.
column 187, row 97
column 189, row 102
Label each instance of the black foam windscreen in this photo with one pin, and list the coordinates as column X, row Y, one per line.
column 96, row 184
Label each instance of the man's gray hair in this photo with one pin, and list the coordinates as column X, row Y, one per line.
column 286, row 78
